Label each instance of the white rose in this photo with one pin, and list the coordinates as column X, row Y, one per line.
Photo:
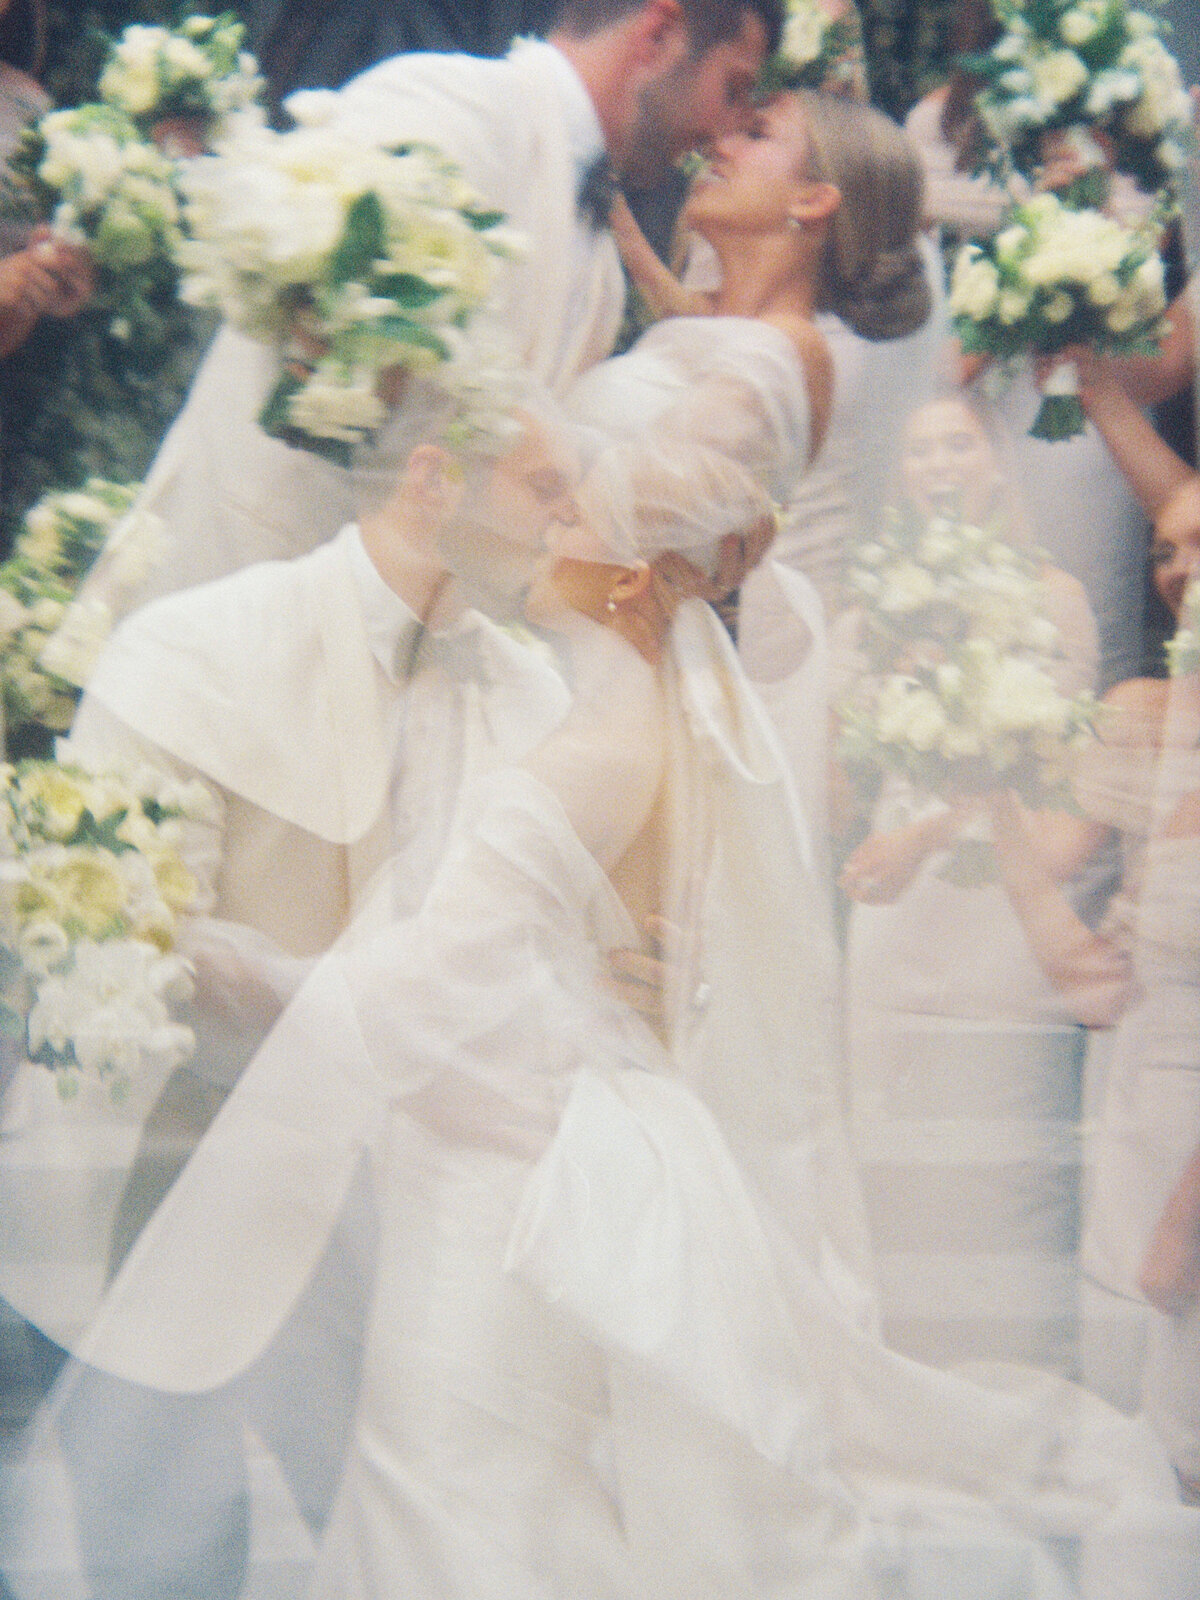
column 13, row 615
column 906, row 587
column 926, row 720
column 186, row 60
column 974, row 287
column 1058, row 308
column 84, row 507
column 45, row 613
column 1104, row 291
column 1017, row 81
column 312, row 108
column 1058, row 76
column 1123, row 316
column 1012, row 305
column 42, row 946
column 1148, row 286
column 803, row 33
column 1077, row 26
column 331, row 406
column 1009, row 47
column 1111, row 87
column 1009, row 242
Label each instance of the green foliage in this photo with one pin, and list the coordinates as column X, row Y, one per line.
column 78, row 37
column 907, row 46
column 76, row 400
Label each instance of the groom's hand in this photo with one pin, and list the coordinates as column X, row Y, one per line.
column 738, row 555
column 641, row 977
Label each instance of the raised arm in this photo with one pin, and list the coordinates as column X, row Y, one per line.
column 1152, row 469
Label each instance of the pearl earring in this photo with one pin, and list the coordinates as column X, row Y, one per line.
column 794, row 222
column 611, row 606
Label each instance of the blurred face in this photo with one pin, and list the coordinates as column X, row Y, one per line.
column 948, row 466
column 497, row 534
column 756, row 173
column 1175, row 551
column 695, row 101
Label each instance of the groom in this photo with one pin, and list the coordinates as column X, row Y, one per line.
column 376, row 694
column 619, row 86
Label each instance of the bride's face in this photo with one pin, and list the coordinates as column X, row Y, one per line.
column 756, row 176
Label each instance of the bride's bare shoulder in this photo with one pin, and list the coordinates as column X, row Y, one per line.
column 817, row 363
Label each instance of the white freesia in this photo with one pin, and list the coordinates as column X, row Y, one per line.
column 54, row 638
column 198, row 69
column 974, row 287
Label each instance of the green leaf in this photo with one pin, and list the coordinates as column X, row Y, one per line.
column 970, row 864
column 405, row 332
column 481, row 221
column 362, row 240
column 1061, row 417
column 406, row 289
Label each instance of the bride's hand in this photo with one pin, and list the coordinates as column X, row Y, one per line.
column 657, row 284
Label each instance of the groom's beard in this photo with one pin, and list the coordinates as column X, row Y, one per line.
column 657, row 140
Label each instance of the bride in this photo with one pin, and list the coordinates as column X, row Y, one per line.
column 617, row 1346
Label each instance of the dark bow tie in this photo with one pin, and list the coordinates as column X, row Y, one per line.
column 597, row 188
column 458, row 655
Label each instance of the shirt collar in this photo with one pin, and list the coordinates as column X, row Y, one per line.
column 392, row 625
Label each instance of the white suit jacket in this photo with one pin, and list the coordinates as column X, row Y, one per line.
column 228, row 494
column 263, row 684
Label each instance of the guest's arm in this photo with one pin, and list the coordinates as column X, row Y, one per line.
column 1092, row 972
column 1147, row 380
column 1152, row 469
column 880, row 869
column 45, row 279
column 1170, row 1273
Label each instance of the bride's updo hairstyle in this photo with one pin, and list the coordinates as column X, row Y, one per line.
column 873, row 275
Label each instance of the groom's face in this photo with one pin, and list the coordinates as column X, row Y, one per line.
column 695, row 101
column 497, row 535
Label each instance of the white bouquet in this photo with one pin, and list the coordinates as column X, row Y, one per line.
column 104, row 186
column 818, row 50
column 91, row 885
column 353, row 260
column 956, row 694
column 197, row 71
column 1054, row 277
column 1099, row 66
column 49, row 639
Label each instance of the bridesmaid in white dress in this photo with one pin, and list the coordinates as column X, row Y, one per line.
column 964, row 1060
column 1080, row 509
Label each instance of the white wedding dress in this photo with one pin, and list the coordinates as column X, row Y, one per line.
column 617, row 1347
